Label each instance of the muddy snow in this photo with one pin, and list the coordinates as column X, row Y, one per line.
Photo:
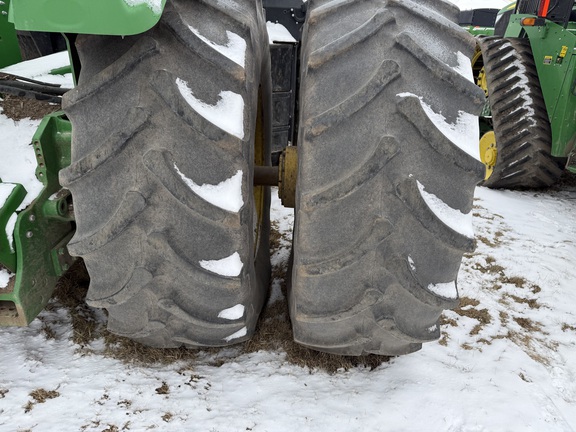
column 506, row 359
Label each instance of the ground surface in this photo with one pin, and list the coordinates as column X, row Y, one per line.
column 506, row 360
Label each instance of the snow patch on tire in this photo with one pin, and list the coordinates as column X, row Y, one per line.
column 230, row 266
column 227, row 114
column 233, row 313
column 463, row 133
column 445, row 290
column 463, row 67
column 454, row 218
column 235, row 49
column 227, row 194
column 240, row 333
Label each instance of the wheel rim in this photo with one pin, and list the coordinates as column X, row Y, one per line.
column 488, row 152
column 479, row 71
column 259, row 160
column 481, row 81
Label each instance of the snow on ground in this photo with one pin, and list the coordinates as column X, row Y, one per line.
column 39, row 69
column 18, row 157
column 506, row 360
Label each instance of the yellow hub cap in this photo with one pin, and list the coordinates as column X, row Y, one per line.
column 481, row 81
column 488, row 152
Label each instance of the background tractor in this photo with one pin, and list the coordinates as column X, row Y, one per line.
column 526, row 64
column 157, row 171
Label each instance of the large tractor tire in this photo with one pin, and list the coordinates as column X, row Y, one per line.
column 519, row 151
column 167, row 127
column 388, row 164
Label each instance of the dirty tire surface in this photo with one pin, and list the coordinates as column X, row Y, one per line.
column 374, row 264
column 171, row 265
column 519, row 117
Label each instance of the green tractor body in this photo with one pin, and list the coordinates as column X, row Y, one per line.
column 106, row 17
column 549, row 29
column 554, row 50
column 36, row 252
column 9, row 49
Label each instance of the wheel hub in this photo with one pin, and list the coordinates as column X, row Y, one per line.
column 287, row 176
column 284, row 176
column 481, row 81
column 488, row 152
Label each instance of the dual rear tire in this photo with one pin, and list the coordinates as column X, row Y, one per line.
column 175, row 235
column 170, row 226
column 375, row 262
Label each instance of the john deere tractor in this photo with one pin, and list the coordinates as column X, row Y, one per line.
column 157, row 172
column 526, row 64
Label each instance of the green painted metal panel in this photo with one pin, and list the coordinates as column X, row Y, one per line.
column 9, row 49
column 554, row 51
column 480, row 31
column 515, row 29
column 106, row 17
column 42, row 230
column 7, row 210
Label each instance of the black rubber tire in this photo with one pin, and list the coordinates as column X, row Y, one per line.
column 444, row 7
column 368, row 251
column 142, row 231
column 39, row 44
column 519, row 117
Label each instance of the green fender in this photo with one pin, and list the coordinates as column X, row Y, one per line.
column 9, row 49
column 105, row 17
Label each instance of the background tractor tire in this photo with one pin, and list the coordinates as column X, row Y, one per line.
column 519, row 117
column 170, row 227
column 386, row 178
